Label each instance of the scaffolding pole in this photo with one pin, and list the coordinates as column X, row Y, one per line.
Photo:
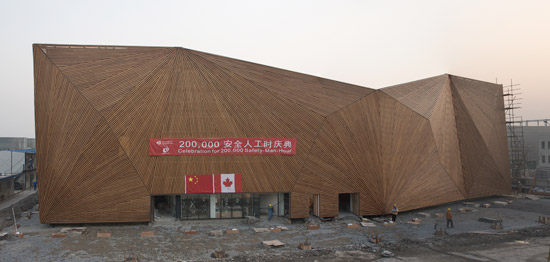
column 514, row 124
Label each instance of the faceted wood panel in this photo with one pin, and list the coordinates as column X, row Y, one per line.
column 413, row 175
column 420, row 96
column 71, row 154
column 320, row 95
column 444, row 130
column 416, row 144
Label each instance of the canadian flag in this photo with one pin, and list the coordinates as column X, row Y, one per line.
column 217, row 183
column 227, row 183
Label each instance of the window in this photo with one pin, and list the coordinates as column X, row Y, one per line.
column 542, row 144
column 543, row 159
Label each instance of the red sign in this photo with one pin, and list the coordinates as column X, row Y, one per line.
column 221, row 146
column 216, row 183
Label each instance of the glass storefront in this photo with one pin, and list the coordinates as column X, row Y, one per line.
column 231, row 205
column 205, row 206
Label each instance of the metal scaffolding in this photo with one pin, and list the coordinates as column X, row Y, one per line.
column 514, row 126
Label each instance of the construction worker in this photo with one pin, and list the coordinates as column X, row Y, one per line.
column 270, row 212
column 394, row 212
column 520, row 187
column 449, row 216
column 34, row 184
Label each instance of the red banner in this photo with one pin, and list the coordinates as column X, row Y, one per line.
column 216, row 183
column 221, row 146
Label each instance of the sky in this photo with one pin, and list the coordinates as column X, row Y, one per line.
column 369, row 43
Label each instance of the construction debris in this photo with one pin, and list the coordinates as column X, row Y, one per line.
column 74, row 230
column 368, row 224
column 489, row 220
column 273, row 243
column 466, row 209
column 130, row 258
column 389, row 223
column 438, row 215
column 219, row 253
column 544, row 220
column 532, row 197
column 216, row 233
column 352, row 225
column 313, row 227
column 273, row 229
column 305, row 246
column 103, row 234
column 374, row 238
column 415, row 221
column 260, row 230
column 59, row 235
column 472, row 204
column 502, row 203
column 3, row 236
column 497, row 225
column 421, row 214
column 147, row 234
column 440, row 232
column 190, row 232
column 232, row 231
column 250, row 220
column 387, row 253
column 486, row 205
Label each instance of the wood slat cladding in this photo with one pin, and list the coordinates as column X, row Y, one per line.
column 416, row 144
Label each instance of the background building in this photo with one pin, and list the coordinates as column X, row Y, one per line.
column 358, row 150
column 17, row 143
column 536, row 136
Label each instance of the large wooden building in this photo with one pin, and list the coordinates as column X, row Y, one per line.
column 358, row 150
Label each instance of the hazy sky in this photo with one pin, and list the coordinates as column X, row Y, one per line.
column 369, row 43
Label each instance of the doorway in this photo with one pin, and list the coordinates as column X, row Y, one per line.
column 344, row 203
column 348, row 203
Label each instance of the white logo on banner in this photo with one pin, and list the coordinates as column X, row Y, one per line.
column 228, row 183
column 165, row 149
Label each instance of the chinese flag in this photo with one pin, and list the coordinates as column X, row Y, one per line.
column 227, row 183
column 195, row 184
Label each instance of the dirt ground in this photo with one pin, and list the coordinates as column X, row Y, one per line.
column 521, row 239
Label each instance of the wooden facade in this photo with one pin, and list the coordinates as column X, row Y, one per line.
column 417, row 144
